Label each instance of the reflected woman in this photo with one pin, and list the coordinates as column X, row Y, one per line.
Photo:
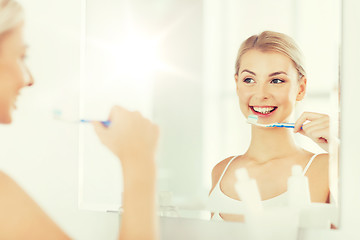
column 130, row 137
column 270, row 79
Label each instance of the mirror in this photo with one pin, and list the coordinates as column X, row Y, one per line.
column 174, row 62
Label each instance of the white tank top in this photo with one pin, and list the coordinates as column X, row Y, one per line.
column 218, row 199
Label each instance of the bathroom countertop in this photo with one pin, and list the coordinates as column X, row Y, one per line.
column 193, row 229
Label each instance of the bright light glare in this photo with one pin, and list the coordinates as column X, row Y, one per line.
column 136, row 57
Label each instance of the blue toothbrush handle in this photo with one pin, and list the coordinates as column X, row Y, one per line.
column 105, row 123
column 285, row 125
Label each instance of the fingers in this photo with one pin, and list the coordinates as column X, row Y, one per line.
column 117, row 117
column 121, row 114
column 100, row 131
column 117, row 112
column 121, row 117
column 156, row 130
column 309, row 116
column 319, row 134
column 99, row 127
column 127, row 124
column 316, row 126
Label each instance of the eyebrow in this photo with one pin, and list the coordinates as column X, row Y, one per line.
column 270, row 75
column 245, row 70
column 277, row 73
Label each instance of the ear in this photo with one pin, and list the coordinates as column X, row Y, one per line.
column 302, row 89
column 236, row 82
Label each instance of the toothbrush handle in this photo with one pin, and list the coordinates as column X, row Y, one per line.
column 105, row 123
column 285, row 125
column 290, row 125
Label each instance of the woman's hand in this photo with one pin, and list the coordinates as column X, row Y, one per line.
column 130, row 136
column 316, row 127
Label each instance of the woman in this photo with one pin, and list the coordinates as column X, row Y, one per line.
column 130, row 137
column 270, row 79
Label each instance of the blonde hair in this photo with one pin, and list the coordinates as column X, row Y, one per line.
column 276, row 42
column 11, row 14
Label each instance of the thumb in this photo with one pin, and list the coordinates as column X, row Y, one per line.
column 99, row 128
column 301, row 131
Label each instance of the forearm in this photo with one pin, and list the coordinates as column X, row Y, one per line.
column 133, row 139
column 139, row 219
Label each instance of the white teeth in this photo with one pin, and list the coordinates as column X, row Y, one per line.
column 263, row 110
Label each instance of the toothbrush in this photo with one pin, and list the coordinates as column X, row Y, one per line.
column 252, row 119
column 58, row 116
column 105, row 123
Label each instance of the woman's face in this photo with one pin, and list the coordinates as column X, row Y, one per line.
column 14, row 74
column 268, row 86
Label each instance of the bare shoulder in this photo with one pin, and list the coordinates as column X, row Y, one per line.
column 4, row 177
column 11, row 192
column 321, row 161
column 7, row 184
column 218, row 170
column 21, row 215
column 319, row 166
column 318, row 174
column 10, row 189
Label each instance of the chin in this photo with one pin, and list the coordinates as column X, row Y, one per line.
column 5, row 119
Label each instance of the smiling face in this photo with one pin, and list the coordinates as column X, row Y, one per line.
column 14, row 74
column 268, row 86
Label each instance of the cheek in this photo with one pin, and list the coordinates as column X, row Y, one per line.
column 15, row 76
column 286, row 96
column 293, row 95
column 244, row 95
column 19, row 75
column 286, row 100
column 5, row 103
column 11, row 81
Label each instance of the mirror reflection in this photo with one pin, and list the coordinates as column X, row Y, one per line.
column 202, row 70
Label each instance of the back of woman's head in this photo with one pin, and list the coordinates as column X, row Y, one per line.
column 269, row 41
column 11, row 15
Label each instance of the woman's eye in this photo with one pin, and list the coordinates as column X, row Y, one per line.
column 276, row 81
column 248, row 80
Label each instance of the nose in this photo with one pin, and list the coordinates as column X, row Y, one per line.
column 28, row 78
column 262, row 92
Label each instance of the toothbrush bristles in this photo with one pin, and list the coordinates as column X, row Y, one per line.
column 252, row 119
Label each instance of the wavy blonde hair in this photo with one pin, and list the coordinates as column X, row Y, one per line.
column 11, row 14
column 275, row 42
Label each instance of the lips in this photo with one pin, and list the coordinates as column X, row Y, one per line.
column 263, row 110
